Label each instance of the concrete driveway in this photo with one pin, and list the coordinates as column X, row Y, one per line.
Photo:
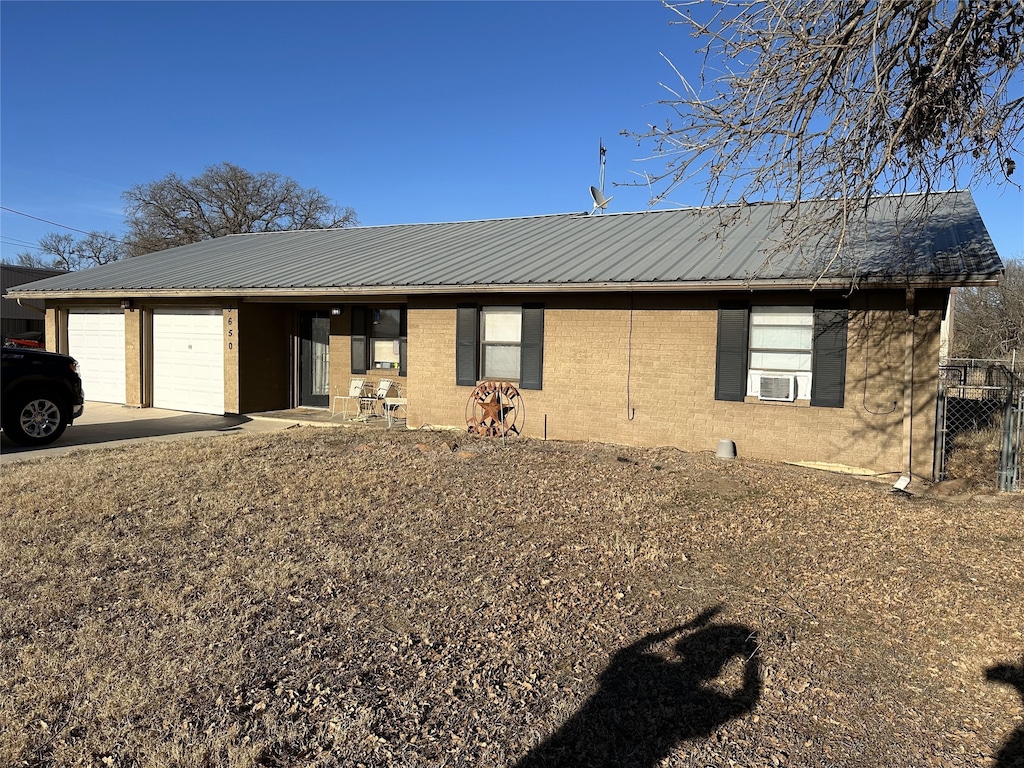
column 106, row 425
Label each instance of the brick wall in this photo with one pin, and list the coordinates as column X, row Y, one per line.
column 135, row 335
column 617, row 369
column 646, row 377
column 341, row 361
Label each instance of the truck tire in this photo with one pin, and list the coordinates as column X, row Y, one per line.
column 35, row 419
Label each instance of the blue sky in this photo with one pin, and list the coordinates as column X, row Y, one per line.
column 405, row 111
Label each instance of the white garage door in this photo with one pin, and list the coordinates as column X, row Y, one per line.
column 188, row 360
column 96, row 341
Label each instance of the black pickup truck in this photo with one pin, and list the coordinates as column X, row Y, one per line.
column 42, row 394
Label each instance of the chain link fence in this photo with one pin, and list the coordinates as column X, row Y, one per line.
column 979, row 435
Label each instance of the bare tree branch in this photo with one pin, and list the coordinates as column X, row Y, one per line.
column 843, row 100
column 63, row 251
column 989, row 322
column 225, row 199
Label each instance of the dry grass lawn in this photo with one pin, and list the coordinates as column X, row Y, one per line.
column 344, row 597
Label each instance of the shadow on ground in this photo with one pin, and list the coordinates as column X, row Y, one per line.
column 649, row 702
column 84, row 434
column 1012, row 753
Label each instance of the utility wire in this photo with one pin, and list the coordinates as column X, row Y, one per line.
column 62, row 226
column 19, row 243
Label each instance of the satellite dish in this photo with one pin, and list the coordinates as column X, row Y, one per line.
column 600, row 201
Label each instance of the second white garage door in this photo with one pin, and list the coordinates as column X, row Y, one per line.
column 96, row 341
column 188, row 360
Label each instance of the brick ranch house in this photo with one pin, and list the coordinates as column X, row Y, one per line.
column 675, row 328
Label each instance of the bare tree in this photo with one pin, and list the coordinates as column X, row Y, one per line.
column 63, row 251
column 223, row 200
column 60, row 248
column 989, row 322
column 98, row 248
column 841, row 100
column 29, row 259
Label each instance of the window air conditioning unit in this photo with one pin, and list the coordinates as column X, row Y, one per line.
column 776, row 387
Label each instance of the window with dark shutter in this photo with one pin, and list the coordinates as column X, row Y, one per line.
column 466, row 345
column 531, row 374
column 731, row 354
column 828, row 364
column 501, row 343
column 403, row 343
column 358, row 339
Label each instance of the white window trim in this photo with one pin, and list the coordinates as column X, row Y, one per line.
column 802, row 378
column 484, row 343
column 373, row 338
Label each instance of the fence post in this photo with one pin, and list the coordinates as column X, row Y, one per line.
column 939, row 458
column 1018, row 440
column 1005, row 447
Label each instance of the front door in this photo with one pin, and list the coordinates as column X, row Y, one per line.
column 314, row 378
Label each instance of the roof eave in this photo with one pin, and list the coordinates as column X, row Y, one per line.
column 844, row 283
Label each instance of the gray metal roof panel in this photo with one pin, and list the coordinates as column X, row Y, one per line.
column 728, row 244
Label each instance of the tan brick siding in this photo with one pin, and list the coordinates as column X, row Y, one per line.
column 232, row 367
column 53, row 332
column 647, row 377
column 617, row 369
column 134, row 344
column 341, row 361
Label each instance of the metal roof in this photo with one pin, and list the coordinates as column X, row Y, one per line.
column 13, row 275
column 726, row 247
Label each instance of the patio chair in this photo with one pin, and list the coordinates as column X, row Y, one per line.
column 371, row 400
column 395, row 408
column 356, row 391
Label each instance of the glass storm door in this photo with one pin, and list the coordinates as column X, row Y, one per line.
column 314, row 378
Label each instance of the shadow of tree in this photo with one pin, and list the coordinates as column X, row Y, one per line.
column 649, row 702
column 1012, row 753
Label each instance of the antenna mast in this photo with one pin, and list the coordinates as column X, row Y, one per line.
column 600, row 201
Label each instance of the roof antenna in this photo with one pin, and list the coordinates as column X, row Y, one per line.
column 600, row 201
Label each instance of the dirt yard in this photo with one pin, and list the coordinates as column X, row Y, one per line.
column 321, row 597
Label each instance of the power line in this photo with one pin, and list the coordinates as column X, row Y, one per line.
column 19, row 243
column 62, row 226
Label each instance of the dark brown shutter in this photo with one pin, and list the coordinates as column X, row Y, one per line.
column 828, row 357
column 403, row 341
column 467, row 344
column 358, row 339
column 731, row 355
column 531, row 353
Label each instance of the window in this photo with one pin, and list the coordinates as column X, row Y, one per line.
column 793, row 352
column 780, row 349
column 379, row 338
column 500, row 343
column 501, row 331
column 385, row 332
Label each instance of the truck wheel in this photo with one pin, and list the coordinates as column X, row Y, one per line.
column 35, row 419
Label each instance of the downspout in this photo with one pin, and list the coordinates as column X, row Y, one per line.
column 40, row 310
column 908, row 394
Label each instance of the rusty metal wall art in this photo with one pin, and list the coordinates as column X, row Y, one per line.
column 495, row 409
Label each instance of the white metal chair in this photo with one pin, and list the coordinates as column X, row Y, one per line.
column 371, row 400
column 356, row 392
column 395, row 408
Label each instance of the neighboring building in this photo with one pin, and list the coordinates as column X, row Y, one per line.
column 947, row 331
column 27, row 316
column 659, row 328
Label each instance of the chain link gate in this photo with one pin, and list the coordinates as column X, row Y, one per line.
column 979, row 433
